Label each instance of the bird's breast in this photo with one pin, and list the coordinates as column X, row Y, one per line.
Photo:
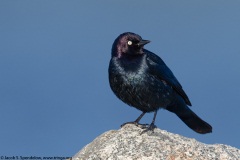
column 137, row 87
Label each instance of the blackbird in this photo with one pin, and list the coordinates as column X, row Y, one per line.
column 142, row 80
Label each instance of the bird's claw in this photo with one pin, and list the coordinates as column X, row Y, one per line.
column 151, row 127
column 128, row 123
column 136, row 124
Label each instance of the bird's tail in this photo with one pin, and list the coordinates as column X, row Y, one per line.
column 190, row 118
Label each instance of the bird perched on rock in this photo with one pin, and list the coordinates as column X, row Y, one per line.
column 142, row 80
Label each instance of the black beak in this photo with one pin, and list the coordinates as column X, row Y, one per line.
column 143, row 42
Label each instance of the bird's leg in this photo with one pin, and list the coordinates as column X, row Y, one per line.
column 139, row 118
column 152, row 125
column 136, row 122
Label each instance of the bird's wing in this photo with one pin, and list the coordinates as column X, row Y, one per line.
column 159, row 69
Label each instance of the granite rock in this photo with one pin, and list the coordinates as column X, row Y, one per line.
column 130, row 143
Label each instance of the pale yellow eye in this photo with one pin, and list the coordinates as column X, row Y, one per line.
column 129, row 43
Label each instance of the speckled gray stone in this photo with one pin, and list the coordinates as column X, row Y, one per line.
column 128, row 143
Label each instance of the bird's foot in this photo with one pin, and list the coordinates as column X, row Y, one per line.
column 150, row 127
column 136, row 124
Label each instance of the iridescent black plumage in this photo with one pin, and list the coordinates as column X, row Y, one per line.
column 142, row 80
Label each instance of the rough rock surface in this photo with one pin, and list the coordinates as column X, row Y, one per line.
column 128, row 143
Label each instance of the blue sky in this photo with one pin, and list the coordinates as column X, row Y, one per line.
column 54, row 92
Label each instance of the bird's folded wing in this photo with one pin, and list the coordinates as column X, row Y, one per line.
column 160, row 70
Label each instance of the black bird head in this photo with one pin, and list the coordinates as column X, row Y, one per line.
column 128, row 44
